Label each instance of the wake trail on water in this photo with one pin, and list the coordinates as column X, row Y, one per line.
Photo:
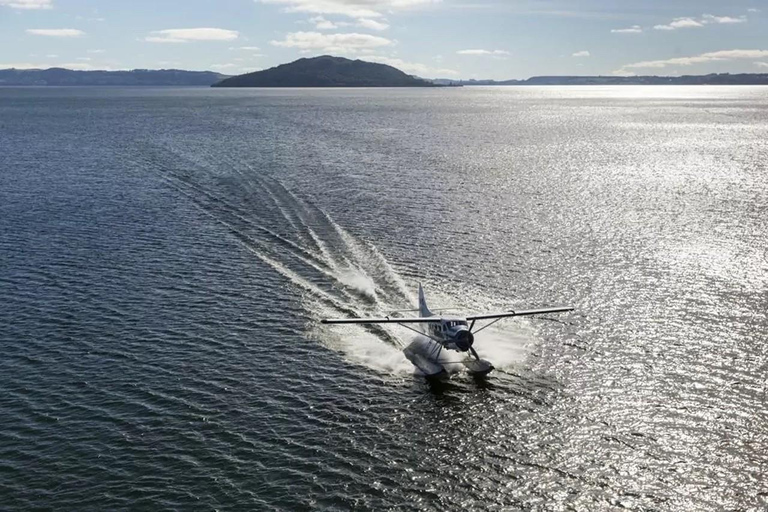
column 338, row 274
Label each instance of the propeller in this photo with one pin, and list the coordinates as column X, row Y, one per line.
column 465, row 340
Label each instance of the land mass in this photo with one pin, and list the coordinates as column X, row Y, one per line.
column 61, row 76
column 711, row 79
column 327, row 71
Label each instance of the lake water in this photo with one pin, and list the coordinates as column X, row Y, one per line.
column 166, row 256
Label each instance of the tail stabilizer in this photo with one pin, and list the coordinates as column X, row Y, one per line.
column 423, row 309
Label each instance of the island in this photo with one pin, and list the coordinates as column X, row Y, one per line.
column 327, row 71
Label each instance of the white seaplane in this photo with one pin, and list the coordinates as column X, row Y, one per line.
column 445, row 332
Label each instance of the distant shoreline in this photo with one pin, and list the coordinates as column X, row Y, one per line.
column 60, row 77
column 711, row 79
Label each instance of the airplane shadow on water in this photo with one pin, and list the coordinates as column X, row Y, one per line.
column 465, row 384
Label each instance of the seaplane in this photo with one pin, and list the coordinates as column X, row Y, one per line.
column 453, row 333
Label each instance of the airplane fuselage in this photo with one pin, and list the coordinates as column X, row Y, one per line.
column 451, row 333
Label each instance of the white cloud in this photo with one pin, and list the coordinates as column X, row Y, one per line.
column 324, row 24
column 413, row 68
column 82, row 66
column 234, row 69
column 719, row 56
column 680, row 23
column 372, row 24
column 96, row 51
column 582, row 53
column 753, row 10
column 709, row 19
column 483, row 52
column 55, row 32
column 761, row 64
column 352, row 8
column 736, row 54
column 321, row 23
column 347, row 43
column 706, row 19
column 185, row 35
column 245, row 48
column 27, row 4
column 22, row 65
column 634, row 29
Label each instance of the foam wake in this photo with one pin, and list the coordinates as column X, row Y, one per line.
column 337, row 274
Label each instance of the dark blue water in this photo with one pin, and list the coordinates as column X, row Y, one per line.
column 166, row 255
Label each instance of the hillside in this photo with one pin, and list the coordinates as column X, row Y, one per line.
column 146, row 77
column 326, row 71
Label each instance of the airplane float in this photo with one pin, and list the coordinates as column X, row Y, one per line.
column 447, row 332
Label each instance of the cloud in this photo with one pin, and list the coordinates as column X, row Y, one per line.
column 706, row 19
column 634, row 29
column 323, row 24
column 96, row 51
column 582, row 53
column 351, row 8
column 761, row 64
column 483, row 52
column 23, row 65
column 55, row 32
column 709, row 19
column 719, row 56
column 411, row 67
column 185, row 35
column 680, row 23
column 372, row 24
column 347, row 43
column 28, row 4
column 236, row 68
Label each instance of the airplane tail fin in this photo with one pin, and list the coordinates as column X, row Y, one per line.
column 423, row 309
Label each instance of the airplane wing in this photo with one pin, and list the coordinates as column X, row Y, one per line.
column 385, row 320
column 522, row 312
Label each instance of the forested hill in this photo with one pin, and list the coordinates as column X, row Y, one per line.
column 326, row 71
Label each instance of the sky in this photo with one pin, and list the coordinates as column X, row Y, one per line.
column 497, row 39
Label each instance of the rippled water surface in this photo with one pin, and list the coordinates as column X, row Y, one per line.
column 166, row 254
